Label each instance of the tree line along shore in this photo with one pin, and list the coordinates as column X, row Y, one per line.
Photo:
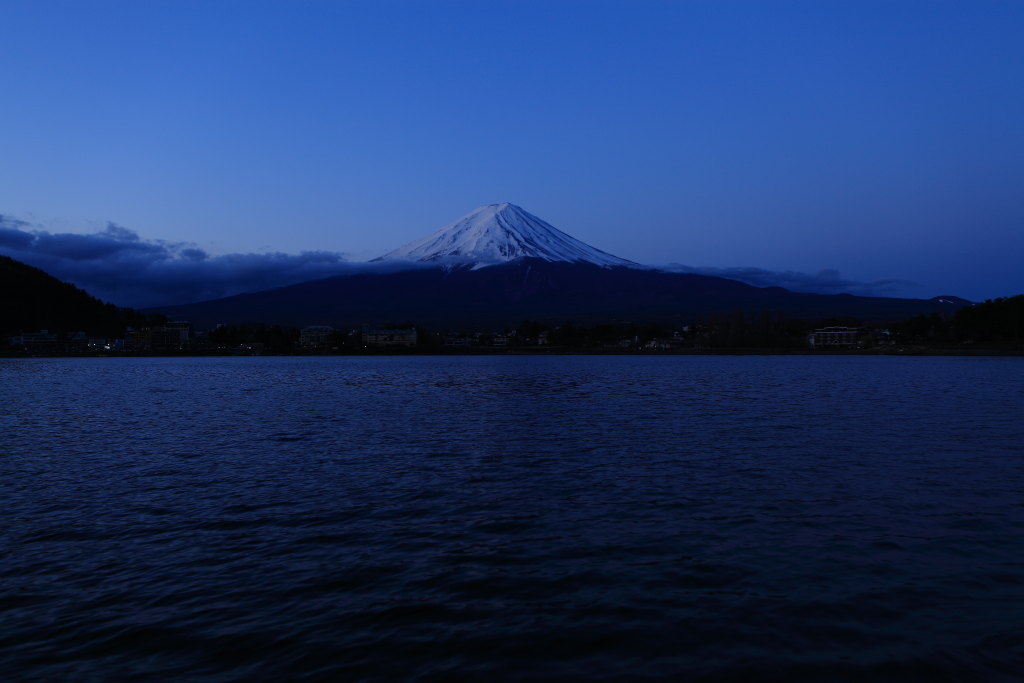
column 994, row 327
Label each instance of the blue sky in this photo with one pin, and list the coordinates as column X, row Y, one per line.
column 882, row 140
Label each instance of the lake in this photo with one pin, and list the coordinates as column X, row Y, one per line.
column 502, row 517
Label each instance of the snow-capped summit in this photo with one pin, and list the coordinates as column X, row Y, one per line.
column 498, row 233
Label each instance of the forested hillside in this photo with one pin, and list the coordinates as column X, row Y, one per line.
column 32, row 300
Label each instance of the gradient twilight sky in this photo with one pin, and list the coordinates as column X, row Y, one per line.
column 884, row 140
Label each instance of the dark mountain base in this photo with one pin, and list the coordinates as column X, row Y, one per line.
column 533, row 289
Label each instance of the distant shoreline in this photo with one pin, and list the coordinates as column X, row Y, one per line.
column 899, row 352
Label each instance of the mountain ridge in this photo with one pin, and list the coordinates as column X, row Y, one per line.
column 498, row 265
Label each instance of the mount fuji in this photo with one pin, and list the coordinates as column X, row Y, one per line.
column 500, row 233
column 499, row 265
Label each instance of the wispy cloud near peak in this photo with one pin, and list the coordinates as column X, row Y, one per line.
column 825, row 281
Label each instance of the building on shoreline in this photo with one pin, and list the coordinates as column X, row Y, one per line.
column 837, row 338
column 316, row 336
column 390, row 338
column 173, row 336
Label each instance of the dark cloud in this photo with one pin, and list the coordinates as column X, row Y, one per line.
column 119, row 233
column 118, row 266
column 101, row 246
column 193, row 254
column 12, row 233
column 13, row 223
column 826, row 281
column 14, row 239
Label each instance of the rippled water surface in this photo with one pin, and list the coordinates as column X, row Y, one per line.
column 700, row 518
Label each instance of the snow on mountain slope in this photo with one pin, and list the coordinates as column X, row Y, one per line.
column 498, row 233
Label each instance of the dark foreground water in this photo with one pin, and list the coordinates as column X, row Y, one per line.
column 619, row 518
